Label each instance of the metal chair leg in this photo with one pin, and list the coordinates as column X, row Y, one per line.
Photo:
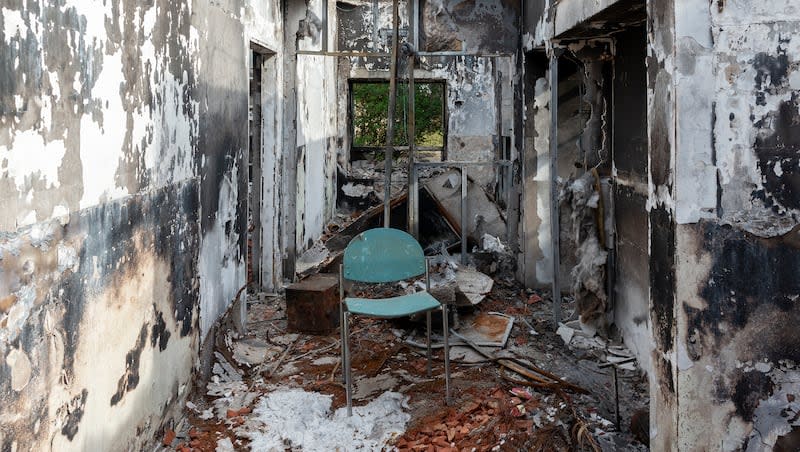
column 348, row 375
column 342, row 340
column 446, row 354
column 429, row 344
column 341, row 318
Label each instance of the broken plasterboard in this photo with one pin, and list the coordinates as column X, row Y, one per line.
column 483, row 215
column 490, row 329
column 473, row 285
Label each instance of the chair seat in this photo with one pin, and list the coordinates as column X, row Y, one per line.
column 401, row 306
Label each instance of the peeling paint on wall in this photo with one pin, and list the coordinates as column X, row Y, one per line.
column 123, row 126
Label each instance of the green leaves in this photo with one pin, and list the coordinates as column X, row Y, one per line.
column 371, row 110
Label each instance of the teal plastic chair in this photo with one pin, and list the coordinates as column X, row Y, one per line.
column 386, row 255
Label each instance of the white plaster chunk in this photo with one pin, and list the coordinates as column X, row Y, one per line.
column 304, row 421
column 20, row 366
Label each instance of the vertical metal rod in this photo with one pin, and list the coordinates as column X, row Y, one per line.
column 341, row 320
column 430, row 357
column 348, row 373
column 428, row 288
column 411, row 128
column 446, row 354
column 509, row 169
column 616, row 395
column 415, row 24
column 387, row 202
column 554, row 211
column 325, row 26
column 464, row 216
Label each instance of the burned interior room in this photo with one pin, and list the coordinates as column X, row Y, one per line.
column 407, row 225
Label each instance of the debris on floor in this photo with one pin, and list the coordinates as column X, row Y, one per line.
column 519, row 389
column 294, row 419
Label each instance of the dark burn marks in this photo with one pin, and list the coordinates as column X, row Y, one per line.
column 130, row 379
column 749, row 390
column 160, row 334
column 777, row 147
column 74, row 413
column 113, row 235
column 662, row 277
column 752, row 290
column 752, row 304
column 772, row 70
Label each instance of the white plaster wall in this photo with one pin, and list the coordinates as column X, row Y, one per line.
column 717, row 108
column 264, row 26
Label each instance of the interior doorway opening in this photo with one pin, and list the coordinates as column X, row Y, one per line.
column 263, row 173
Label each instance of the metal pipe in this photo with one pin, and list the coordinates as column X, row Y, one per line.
column 348, row 373
column 446, row 354
column 458, row 164
column 387, row 190
column 415, row 24
column 464, row 216
column 325, row 26
column 428, row 288
column 411, row 129
column 357, row 54
column 341, row 320
column 554, row 211
column 430, row 357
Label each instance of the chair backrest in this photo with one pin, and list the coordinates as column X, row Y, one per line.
column 383, row 255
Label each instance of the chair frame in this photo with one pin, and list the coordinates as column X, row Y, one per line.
column 345, row 337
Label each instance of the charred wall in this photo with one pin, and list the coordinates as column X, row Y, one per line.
column 479, row 64
column 122, row 131
column 737, row 214
column 630, row 157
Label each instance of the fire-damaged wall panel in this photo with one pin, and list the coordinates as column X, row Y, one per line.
column 480, row 109
column 738, row 253
column 463, row 25
column 122, row 130
column 661, row 140
column 632, row 282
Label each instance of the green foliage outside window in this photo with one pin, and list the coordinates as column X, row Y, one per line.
column 371, row 108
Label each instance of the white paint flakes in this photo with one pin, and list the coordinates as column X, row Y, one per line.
column 13, row 23
column 30, row 158
column 101, row 142
column 300, row 420
column 20, row 367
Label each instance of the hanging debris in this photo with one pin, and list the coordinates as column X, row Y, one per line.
column 589, row 274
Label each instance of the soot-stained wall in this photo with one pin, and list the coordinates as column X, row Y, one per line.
column 482, row 104
column 737, row 209
column 123, row 126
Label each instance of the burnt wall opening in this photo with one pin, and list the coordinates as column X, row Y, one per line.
column 629, row 149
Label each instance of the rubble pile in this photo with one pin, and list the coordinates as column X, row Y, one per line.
column 274, row 390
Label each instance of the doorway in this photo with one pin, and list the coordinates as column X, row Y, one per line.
column 264, row 257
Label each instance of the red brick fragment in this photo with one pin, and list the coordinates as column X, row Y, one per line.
column 169, row 437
